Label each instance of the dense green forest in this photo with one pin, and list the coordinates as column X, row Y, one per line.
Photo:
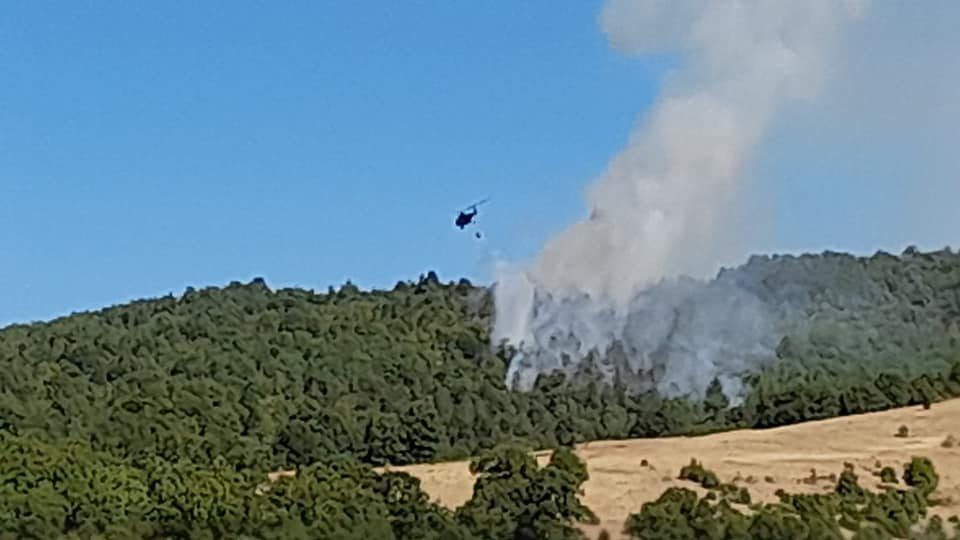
column 242, row 379
column 56, row 491
column 270, row 379
column 70, row 491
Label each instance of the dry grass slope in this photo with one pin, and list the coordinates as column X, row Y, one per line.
column 625, row 474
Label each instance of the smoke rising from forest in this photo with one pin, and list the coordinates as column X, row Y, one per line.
column 613, row 282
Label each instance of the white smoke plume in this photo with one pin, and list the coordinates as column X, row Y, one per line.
column 658, row 210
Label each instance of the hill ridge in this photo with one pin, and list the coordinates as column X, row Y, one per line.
column 270, row 378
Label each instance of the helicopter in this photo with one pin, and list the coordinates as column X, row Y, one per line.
column 467, row 214
column 465, row 217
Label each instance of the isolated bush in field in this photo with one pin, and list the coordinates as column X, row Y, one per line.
column 695, row 472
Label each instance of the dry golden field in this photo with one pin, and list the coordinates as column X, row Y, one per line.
column 763, row 460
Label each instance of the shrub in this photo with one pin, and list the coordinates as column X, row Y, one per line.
column 850, row 510
column 888, row 475
column 919, row 473
column 695, row 472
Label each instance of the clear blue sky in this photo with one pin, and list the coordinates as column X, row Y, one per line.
column 148, row 146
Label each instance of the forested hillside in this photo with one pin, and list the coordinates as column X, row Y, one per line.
column 223, row 384
column 271, row 379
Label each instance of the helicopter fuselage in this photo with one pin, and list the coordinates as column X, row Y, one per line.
column 465, row 218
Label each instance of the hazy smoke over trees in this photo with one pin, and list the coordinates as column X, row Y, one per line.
column 658, row 210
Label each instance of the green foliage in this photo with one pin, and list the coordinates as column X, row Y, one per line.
column 268, row 379
column 514, row 497
column 848, row 484
column 888, row 475
column 46, row 489
column 920, row 474
column 71, row 491
column 340, row 501
column 849, row 511
column 410, row 512
column 134, row 420
column 695, row 472
column 934, row 530
column 679, row 514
